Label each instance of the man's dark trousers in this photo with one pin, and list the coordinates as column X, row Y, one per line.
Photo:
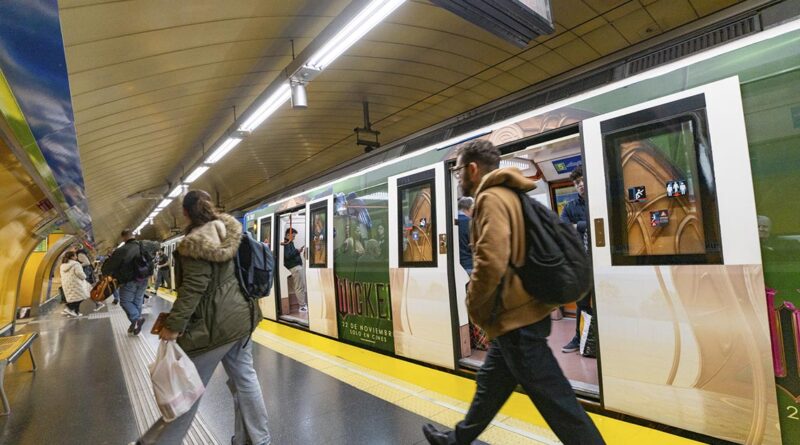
column 523, row 356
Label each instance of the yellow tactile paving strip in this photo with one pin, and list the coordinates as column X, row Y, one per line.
column 440, row 396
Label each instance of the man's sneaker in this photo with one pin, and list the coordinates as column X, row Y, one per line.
column 434, row 436
column 573, row 345
column 72, row 313
column 116, row 301
column 99, row 306
column 132, row 327
column 138, row 326
column 303, row 308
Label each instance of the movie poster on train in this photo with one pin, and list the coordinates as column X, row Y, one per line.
column 361, row 267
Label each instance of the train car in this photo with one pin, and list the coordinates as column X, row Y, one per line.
column 679, row 162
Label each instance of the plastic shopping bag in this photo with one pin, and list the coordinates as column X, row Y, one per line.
column 176, row 383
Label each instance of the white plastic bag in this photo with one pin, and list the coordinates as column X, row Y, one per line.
column 176, row 383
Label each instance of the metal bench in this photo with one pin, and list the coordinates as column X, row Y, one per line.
column 12, row 348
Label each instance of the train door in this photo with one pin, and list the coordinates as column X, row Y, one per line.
column 321, row 314
column 264, row 231
column 420, row 297
column 291, row 261
column 679, row 288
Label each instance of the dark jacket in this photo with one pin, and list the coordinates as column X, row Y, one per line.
column 120, row 264
column 291, row 256
column 496, row 299
column 210, row 309
column 575, row 213
column 464, row 251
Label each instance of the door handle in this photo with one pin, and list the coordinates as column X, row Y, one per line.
column 599, row 232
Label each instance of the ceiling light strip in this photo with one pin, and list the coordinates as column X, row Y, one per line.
column 269, row 106
column 198, row 172
column 362, row 23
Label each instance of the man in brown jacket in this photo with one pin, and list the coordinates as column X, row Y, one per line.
column 516, row 323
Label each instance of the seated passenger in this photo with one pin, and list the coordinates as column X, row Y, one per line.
column 212, row 321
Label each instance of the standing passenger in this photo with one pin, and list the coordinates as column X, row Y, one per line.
column 122, row 266
column 515, row 321
column 293, row 260
column 464, row 217
column 575, row 213
column 73, row 281
column 162, row 279
column 212, row 321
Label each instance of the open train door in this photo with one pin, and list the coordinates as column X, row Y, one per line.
column 319, row 267
column 418, row 246
column 679, row 292
column 266, row 234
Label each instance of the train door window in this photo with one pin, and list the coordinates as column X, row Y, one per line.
column 293, row 246
column 265, row 231
column 417, row 222
column 661, row 198
column 318, row 237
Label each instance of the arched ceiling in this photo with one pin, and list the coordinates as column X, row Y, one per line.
column 152, row 82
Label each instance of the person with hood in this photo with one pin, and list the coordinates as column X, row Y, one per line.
column 516, row 322
column 212, row 320
column 73, row 281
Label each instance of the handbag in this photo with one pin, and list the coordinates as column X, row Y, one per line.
column 104, row 288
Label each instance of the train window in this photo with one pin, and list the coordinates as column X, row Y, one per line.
column 661, row 193
column 318, row 236
column 417, row 220
column 265, row 229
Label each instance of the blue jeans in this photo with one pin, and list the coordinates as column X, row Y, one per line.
column 522, row 356
column 248, row 402
column 131, row 298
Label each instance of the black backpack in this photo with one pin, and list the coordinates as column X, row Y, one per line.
column 557, row 269
column 143, row 266
column 255, row 267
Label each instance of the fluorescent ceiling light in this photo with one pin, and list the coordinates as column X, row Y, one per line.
column 269, row 106
column 176, row 191
column 196, row 174
column 505, row 163
column 223, row 149
column 164, row 203
column 361, row 24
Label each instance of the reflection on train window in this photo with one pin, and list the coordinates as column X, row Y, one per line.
column 662, row 203
column 318, row 237
column 265, row 229
column 417, row 225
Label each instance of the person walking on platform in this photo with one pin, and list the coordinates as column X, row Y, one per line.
column 124, row 265
column 212, row 321
column 83, row 258
column 516, row 322
column 575, row 213
column 73, row 281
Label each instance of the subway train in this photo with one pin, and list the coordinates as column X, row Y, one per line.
column 687, row 164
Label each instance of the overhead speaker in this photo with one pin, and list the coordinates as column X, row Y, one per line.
column 515, row 21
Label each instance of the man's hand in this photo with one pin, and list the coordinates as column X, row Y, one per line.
column 168, row 335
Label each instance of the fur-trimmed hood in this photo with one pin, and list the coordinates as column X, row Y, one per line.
column 214, row 241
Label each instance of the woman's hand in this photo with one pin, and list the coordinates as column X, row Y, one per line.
column 168, row 335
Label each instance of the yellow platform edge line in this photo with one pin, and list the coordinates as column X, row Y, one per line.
column 517, row 409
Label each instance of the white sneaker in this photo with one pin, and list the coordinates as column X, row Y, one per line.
column 303, row 308
column 72, row 313
column 99, row 306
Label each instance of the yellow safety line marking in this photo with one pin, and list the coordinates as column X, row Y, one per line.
column 440, row 396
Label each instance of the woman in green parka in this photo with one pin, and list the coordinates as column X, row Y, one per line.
column 212, row 321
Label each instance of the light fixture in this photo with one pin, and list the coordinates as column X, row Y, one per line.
column 364, row 21
column 176, row 191
column 164, row 203
column 269, row 106
column 299, row 96
column 196, row 174
column 505, row 163
column 223, row 149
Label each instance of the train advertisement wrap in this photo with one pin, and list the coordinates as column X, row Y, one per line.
column 361, row 267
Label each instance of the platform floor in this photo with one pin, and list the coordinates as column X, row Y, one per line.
column 92, row 388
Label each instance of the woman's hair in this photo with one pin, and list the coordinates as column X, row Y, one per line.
column 200, row 209
column 70, row 255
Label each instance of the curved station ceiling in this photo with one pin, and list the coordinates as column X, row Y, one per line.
column 153, row 84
